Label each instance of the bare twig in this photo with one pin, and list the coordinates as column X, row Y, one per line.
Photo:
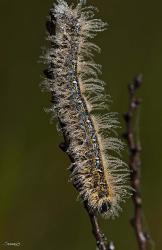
column 135, row 164
column 101, row 241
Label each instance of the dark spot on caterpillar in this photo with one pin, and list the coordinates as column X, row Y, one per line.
column 50, row 26
column 63, row 146
column 48, row 73
column 105, row 207
column 54, row 99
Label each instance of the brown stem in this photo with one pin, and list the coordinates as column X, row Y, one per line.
column 101, row 241
column 135, row 164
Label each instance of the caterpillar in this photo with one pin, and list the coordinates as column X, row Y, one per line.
column 80, row 104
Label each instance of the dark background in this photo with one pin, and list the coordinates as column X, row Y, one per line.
column 37, row 204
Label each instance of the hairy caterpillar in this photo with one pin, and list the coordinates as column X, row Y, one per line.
column 79, row 102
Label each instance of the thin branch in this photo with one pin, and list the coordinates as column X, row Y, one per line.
column 135, row 164
column 101, row 241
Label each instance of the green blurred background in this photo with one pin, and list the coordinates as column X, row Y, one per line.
column 37, row 204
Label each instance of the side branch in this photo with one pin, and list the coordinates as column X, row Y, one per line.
column 135, row 164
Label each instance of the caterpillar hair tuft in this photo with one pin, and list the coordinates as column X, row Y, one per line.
column 82, row 107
